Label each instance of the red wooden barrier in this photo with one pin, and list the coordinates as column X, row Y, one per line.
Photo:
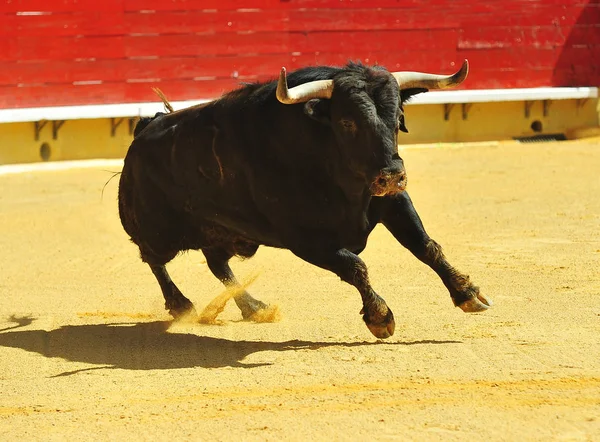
column 63, row 52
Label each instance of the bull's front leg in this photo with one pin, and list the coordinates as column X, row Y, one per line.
column 350, row 268
column 402, row 220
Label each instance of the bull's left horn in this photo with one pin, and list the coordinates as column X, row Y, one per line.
column 408, row 80
column 304, row 92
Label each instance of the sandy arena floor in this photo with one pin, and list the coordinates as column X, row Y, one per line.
column 87, row 351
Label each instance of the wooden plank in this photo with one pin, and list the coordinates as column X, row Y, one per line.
column 543, row 37
column 529, row 57
column 355, row 19
column 97, row 23
column 168, row 22
column 61, row 6
column 78, row 47
column 249, row 67
column 106, row 93
column 84, row 23
column 294, row 20
column 538, row 16
column 357, row 42
column 584, row 34
column 14, row 6
column 522, row 78
column 511, row 36
column 194, row 5
column 61, row 48
column 578, row 56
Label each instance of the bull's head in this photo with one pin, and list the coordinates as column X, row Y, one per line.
column 363, row 106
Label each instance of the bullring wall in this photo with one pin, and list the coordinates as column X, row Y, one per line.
column 77, row 52
column 66, row 52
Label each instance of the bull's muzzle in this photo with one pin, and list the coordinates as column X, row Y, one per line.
column 389, row 183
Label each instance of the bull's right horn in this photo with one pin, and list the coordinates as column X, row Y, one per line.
column 304, row 92
column 408, row 80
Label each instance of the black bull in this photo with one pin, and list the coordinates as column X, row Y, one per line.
column 312, row 169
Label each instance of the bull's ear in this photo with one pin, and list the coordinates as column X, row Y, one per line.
column 318, row 110
column 407, row 94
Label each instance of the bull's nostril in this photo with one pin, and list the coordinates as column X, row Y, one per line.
column 382, row 181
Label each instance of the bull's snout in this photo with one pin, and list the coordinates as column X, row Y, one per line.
column 389, row 182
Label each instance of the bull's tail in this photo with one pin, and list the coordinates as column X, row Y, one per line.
column 145, row 121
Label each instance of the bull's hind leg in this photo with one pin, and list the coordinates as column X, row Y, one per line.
column 177, row 304
column 402, row 220
column 218, row 263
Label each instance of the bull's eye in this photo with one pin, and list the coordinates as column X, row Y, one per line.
column 348, row 125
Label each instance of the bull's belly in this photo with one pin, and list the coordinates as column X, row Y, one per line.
column 240, row 234
column 282, row 226
column 224, row 230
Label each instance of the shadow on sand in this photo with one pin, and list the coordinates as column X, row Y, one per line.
column 148, row 346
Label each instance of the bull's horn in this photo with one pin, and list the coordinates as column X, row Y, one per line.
column 304, row 92
column 408, row 80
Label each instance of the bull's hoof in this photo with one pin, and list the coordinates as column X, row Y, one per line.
column 477, row 304
column 250, row 308
column 381, row 328
column 181, row 308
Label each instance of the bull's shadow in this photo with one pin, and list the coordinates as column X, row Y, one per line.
column 147, row 346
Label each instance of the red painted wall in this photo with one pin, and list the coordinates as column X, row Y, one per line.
column 63, row 52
